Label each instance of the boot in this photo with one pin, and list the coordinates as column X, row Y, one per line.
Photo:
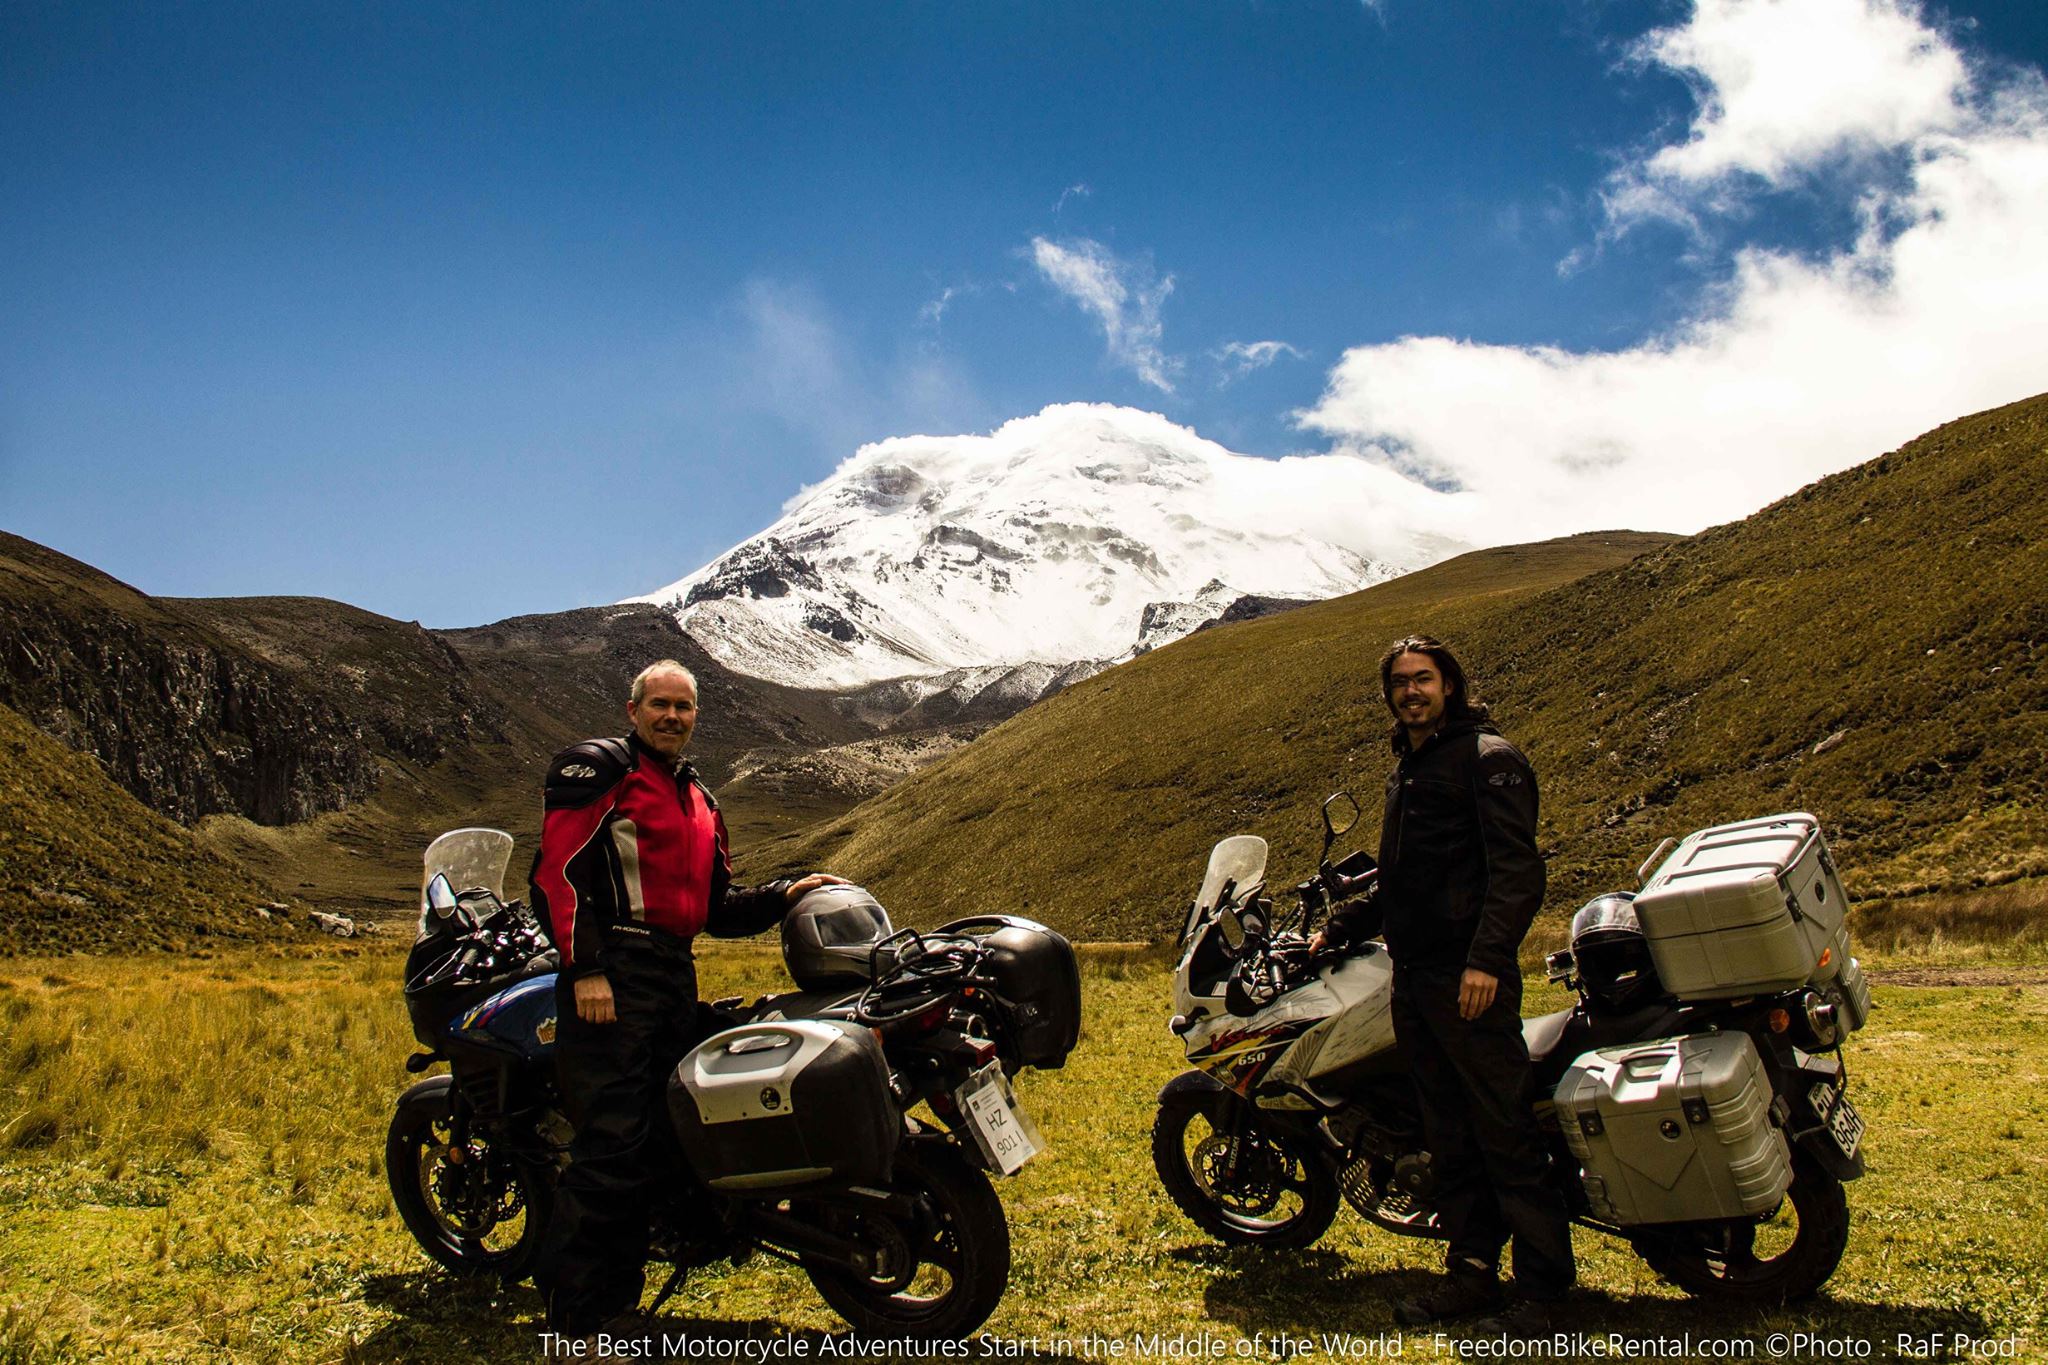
column 1461, row 1293
column 1523, row 1319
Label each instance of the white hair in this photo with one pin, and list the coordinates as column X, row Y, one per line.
column 659, row 666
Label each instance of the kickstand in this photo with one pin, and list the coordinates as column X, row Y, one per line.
column 675, row 1277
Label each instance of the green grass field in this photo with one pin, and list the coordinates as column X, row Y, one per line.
column 190, row 1169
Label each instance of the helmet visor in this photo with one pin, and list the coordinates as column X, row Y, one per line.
column 1603, row 914
column 846, row 926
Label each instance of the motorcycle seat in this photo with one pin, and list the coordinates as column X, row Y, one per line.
column 1544, row 1033
column 834, row 1003
column 1557, row 1040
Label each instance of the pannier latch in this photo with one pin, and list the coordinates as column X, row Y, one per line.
column 1590, row 1125
column 1791, row 898
column 1696, row 1111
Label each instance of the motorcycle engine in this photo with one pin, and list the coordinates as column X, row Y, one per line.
column 1414, row 1177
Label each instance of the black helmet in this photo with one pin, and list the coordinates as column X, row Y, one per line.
column 1613, row 958
column 826, row 936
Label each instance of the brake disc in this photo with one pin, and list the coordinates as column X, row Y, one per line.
column 1255, row 1190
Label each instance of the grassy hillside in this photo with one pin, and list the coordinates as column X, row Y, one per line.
column 1095, row 808
column 85, row 865
column 1867, row 648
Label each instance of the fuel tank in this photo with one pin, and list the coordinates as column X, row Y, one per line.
column 519, row 1019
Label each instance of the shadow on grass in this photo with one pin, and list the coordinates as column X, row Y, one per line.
column 1306, row 1293
column 1257, row 1289
column 438, row 1316
column 442, row 1317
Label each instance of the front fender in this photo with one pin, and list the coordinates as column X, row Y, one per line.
column 432, row 1096
column 1192, row 1087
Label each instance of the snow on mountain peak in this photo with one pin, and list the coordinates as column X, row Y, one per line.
column 1081, row 533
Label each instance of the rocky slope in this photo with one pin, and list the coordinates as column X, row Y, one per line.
column 85, row 866
column 320, row 746
column 187, row 720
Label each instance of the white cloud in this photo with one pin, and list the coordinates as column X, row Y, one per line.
column 934, row 310
column 1792, row 368
column 1240, row 358
column 792, row 350
column 1123, row 296
column 1784, row 85
column 1078, row 191
column 785, row 359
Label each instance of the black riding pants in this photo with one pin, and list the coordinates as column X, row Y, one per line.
column 614, row 1080
column 1475, row 1083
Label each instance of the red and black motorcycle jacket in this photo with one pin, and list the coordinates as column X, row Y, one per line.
column 630, row 844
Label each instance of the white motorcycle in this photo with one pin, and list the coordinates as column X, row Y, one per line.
column 1693, row 1101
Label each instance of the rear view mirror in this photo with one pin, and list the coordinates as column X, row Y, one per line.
column 1231, row 927
column 441, row 896
column 1340, row 813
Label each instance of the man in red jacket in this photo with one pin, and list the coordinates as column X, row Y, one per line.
column 633, row 865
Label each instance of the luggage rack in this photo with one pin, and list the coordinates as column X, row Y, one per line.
column 909, row 971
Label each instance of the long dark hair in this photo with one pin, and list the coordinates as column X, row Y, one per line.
column 1459, row 702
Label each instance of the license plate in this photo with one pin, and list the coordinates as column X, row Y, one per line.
column 1843, row 1123
column 1007, row 1136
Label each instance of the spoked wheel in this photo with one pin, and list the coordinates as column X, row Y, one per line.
column 1249, row 1187
column 944, row 1270
column 1777, row 1259
column 473, row 1208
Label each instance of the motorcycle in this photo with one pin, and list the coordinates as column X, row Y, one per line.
column 1713, row 1133
column 793, row 1115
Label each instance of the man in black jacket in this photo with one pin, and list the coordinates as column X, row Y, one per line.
column 632, row 866
column 1460, row 881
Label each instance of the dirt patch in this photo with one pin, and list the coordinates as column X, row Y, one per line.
column 1961, row 976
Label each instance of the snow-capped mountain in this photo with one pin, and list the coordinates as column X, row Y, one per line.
column 1084, row 533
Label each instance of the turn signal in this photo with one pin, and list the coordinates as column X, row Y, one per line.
column 1781, row 1020
column 1827, row 955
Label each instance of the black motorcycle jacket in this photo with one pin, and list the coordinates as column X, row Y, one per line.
column 627, row 841
column 1460, row 876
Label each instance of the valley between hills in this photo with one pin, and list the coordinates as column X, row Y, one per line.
column 1867, row 648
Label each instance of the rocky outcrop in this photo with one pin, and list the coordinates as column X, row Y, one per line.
column 187, row 722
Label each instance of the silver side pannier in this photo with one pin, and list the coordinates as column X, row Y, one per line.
column 1675, row 1130
column 1751, row 908
column 771, row 1107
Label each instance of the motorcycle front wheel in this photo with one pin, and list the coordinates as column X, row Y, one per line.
column 1239, row 1182
column 1772, row 1260
column 949, row 1264
column 477, row 1210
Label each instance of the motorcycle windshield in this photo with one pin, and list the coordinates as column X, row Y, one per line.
column 470, row 858
column 1238, row 862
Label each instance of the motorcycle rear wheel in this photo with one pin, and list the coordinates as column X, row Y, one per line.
column 1779, row 1259
column 1283, row 1194
column 484, row 1214
column 953, row 1260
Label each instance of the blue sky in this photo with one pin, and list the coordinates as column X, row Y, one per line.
column 456, row 312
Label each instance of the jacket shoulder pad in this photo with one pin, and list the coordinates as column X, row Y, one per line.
column 583, row 772
column 1498, row 756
